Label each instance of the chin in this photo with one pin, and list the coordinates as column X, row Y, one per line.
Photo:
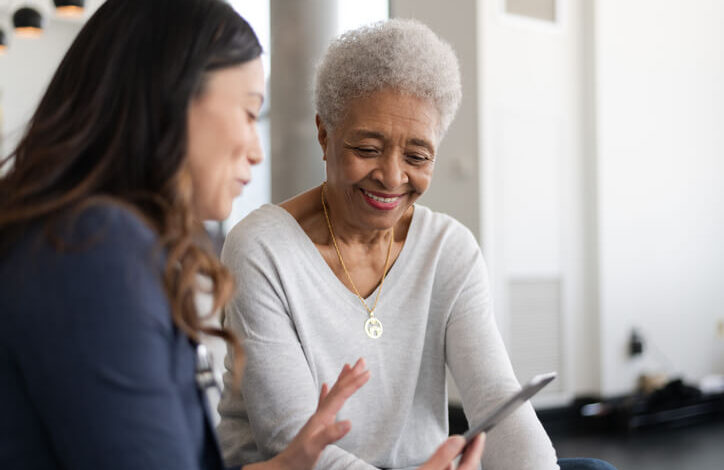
column 382, row 222
column 218, row 213
column 223, row 215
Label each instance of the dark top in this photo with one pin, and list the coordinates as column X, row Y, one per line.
column 93, row 373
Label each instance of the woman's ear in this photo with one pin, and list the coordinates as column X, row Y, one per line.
column 321, row 136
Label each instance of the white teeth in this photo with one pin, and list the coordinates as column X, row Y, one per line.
column 385, row 200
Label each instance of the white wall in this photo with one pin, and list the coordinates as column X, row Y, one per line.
column 28, row 64
column 534, row 126
column 25, row 71
column 660, row 76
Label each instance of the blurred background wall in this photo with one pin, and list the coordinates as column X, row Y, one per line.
column 588, row 157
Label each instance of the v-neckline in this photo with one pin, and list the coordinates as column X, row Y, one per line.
column 326, row 271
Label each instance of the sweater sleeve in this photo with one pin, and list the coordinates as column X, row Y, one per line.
column 278, row 392
column 100, row 360
column 483, row 373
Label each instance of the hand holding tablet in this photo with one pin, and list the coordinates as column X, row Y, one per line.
column 531, row 388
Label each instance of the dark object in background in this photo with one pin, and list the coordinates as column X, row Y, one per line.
column 69, row 3
column 27, row 17
column 673, row 395
column 636, row 344
column 69, row 8
column 674, row 404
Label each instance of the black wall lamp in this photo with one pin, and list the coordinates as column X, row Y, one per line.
column 28, row 22
column 69, row 8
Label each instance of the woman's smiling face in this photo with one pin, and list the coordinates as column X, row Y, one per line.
column 380, row 157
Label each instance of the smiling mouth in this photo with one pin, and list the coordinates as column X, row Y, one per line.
column 383, row 200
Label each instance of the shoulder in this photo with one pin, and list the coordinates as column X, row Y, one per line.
column 268, row 227
column 442, row 242
column 450, row 254
column 260, row 220
column 101, row 264
column 102, row 244
column 108, row 224
column 106, row 229
column 443, row 229
column 106, row 238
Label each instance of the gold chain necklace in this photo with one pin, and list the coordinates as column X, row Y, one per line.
column 373, row 326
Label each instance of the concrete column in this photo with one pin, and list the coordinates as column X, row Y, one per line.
column 300, row 33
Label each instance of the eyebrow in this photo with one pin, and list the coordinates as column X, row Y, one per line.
column 362, row 133
column 422, row 143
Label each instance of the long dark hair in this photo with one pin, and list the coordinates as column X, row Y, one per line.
column 112, row 125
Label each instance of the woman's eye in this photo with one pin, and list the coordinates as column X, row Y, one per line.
column 418, row 159
column 367, row 151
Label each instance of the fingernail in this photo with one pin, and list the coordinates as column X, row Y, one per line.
column 344, row 426
column 455, row 442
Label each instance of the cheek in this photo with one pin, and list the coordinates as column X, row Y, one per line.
column 211, row 181
column 421, row 179
column 212, row 159
column 216, row 197
column 351, row 168
column 236, row 133
column 221, row 135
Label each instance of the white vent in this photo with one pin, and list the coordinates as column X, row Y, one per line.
column 543, row 10
column 535, row 329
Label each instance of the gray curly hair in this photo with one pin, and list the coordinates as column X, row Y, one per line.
column 404, row 55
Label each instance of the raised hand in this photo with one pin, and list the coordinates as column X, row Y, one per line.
column 322, row 428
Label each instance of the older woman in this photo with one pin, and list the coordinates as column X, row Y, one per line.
column 355, row 268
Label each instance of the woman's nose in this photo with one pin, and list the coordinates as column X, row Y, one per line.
column 254, row 153
column 256, row 157
column 391, row 172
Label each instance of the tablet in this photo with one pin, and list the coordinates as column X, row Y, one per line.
column 528, row 390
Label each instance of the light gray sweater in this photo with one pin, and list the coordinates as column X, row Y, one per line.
column 299, row 325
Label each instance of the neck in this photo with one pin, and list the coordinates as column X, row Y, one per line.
column 350, row 234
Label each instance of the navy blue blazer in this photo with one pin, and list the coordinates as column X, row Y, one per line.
column 93, row 373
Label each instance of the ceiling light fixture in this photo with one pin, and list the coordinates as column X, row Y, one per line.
column 69, row 8
column 3, row 43
column 28, row 23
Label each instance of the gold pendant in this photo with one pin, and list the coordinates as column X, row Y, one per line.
column 373, row 327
